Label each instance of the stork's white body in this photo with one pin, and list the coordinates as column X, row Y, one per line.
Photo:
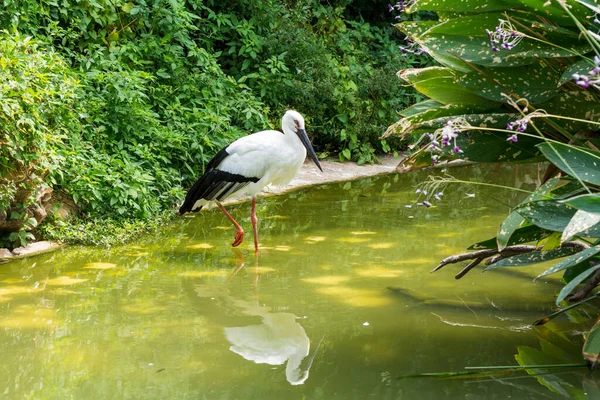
column 251, row 163
column 271, row 156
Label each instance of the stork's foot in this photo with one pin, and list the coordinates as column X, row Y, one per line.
column 239, row 238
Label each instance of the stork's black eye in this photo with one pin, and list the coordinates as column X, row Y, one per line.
column 297, row 124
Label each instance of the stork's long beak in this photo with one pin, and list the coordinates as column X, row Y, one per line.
column 306, row 142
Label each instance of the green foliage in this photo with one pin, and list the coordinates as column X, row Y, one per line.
column 152, row 89
column 519, row 82
column 105, row 231
column 37, row 94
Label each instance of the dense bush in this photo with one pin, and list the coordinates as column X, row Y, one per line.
column 162, row 85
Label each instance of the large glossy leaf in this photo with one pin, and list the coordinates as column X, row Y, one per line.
column 420, row 108
column 514, row 220
column 536, row 82
column 549, row 10
column 493, row 147
column 575, row 161
column 581, row 104
column 571, row 285
column 434, row 118
column 547, row 214
column 581, row 222
column 466, row 38
column 571, row 261
column 534, row 257
column 440, row 85
column 466, row 6
column 585, row 202
column 591, row 347
column 581, row 67
column 522, row 235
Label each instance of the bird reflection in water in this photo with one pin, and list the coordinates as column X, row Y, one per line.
column 277, row 340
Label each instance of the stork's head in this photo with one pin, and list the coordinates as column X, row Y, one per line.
column 292, row 121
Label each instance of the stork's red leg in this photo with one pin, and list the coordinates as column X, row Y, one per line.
column 254, row 221
column 239, row 234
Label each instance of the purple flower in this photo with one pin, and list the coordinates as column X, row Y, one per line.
column 513, row 138
column 592, row 78
column 504, row 36
column 426, row 203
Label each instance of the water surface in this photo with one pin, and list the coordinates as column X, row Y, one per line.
column 338, row 304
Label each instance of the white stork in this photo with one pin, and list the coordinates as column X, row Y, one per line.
column 248, row 165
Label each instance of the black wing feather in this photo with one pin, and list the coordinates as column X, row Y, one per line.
column 214, row 184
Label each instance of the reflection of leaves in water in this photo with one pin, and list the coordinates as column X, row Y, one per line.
column 99, row 265
column 556, row 348
column 143, row 308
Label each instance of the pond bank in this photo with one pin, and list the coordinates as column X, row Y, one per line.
column 309, row 175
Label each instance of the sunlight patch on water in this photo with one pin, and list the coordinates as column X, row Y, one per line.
column 356, row 297
column 352, row 240
column 315, row 238
column 203, row 274
column 10, row 281
column 414, row 261
column 364, row 233
column 99, row 265
column 384, row 245
column 200, row 246
column 379, row 272
column 29, row 316
column 64, row 281
column 327, row 279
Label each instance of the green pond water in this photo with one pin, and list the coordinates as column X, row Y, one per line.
column 338, row 304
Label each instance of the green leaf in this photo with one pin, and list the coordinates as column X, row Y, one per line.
column 591, row 347
column 420, row 107
column 493, row 147
column 575, row 161
column 514, row 220
column 582, row 104
column 465, row 38
column 581, row 221
column 535, row 257
column 522, row 235
column 551, row 242
column 127, row 7
column 536, row 82
column 571, row 285
column 440, row 84
column 580, row 67
column 571, row 261
column 547, row 214
column 585, row 202
column 465, row 6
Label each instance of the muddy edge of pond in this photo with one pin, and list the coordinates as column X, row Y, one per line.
column 309, row 175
